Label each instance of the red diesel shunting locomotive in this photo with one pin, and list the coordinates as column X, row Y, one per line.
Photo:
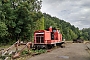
column 47, row 38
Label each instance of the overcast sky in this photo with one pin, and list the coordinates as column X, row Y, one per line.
column 76, row 12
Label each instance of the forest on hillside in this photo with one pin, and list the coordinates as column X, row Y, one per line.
column 68, row 31
column 20, row 18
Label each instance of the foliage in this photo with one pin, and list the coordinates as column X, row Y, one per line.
column 38, row 51
column 85, row 33
column 19, row 19
column 68, row 31
column 3, row 29
column 2, row 57
column 24, row 52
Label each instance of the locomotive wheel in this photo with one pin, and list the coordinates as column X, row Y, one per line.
column 50, row 46
column 62, row 45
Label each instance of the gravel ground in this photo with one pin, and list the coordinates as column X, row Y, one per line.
column 72, row 51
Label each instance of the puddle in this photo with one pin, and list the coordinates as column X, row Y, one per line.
column 65, row 57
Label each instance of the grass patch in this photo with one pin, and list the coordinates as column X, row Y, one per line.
column 24, row 52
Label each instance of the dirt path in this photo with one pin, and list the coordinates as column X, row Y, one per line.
column 72, row 51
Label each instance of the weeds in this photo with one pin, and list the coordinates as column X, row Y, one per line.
column 24, row 52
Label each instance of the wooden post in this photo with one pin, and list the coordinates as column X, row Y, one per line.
column 16, row 46
column 29, row 45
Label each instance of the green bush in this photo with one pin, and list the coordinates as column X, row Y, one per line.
column 2, row 57
column 24, row 52
column 40, row 51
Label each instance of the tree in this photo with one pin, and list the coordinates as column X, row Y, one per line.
column 68, row 31
column 85, row 33
column 3, row 30
column 21, row 17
